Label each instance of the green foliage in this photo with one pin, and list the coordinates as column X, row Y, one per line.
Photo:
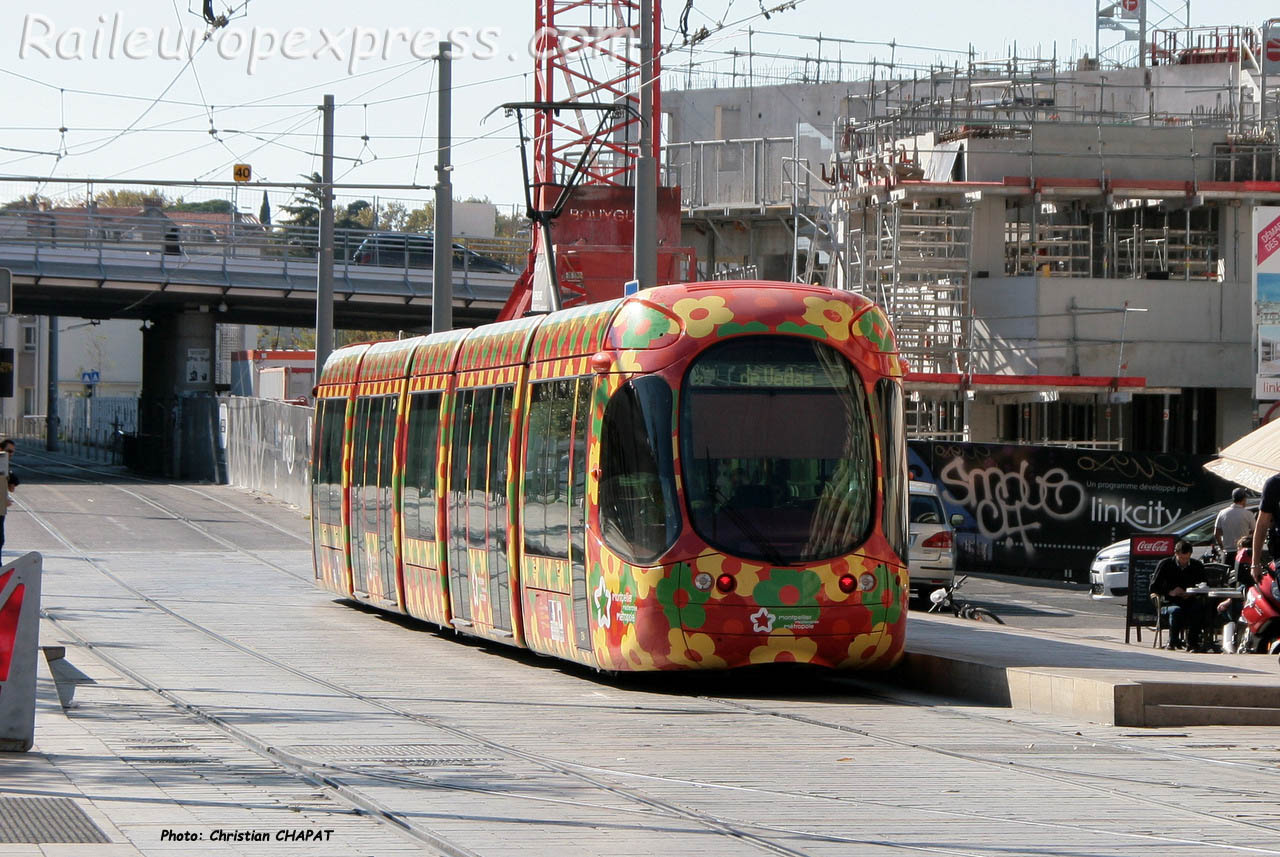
column 30, row 202
column 215, row 206
column 113, row 198
column 304, row 338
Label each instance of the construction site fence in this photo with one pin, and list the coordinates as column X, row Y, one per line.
column 268, row 447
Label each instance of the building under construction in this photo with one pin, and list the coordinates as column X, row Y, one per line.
column 1064, row 247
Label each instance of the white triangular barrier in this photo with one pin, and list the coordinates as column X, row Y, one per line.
column 19, row 645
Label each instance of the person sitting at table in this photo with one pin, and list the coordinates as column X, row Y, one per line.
column 1173, row 577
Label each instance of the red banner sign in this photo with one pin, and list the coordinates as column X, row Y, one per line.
column 1268, row 240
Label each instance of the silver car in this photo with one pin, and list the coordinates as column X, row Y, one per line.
column 931, row 540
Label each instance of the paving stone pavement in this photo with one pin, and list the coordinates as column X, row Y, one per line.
column 228, row 694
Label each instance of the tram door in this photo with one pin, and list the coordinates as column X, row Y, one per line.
column 555, row 480
column 372, row 531
column 478, row 513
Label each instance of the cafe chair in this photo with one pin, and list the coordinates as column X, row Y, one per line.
column 1161, row 621
column 1216, row 574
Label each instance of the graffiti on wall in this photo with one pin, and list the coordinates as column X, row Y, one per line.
column 268, row 447
column 1045, row 511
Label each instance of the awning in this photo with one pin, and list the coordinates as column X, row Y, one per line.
column 1252, row 459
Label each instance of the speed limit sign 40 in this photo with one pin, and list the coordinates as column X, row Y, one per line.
column 242, row 172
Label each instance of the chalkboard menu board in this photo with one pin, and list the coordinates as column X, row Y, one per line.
column 1145, row 553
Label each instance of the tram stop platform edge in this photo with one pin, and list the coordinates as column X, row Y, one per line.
column 1085, row 679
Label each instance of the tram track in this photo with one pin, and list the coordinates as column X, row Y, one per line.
column 323, row 775
column 750, row 833
column 1073, row 779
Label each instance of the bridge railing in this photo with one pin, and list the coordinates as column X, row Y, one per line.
column 178, row 234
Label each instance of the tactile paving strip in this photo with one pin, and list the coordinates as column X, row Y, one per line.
column 46, row 819
column 422, row 755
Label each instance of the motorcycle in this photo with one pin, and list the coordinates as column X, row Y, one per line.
column 1261, row 615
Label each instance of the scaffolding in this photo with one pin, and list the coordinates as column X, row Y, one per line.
column 942, row 175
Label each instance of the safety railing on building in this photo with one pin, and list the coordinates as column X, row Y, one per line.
column 755, row 172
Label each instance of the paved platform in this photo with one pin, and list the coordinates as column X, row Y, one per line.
column 510, row 754
column 1088, row 679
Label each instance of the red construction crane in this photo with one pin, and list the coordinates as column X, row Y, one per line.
column 586, row 114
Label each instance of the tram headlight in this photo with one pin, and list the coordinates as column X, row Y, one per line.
column 702, row 581
column 867, row 582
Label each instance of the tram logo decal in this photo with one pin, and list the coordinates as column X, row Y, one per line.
column 762, row 621
column 604, row 601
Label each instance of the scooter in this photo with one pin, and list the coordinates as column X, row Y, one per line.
column 1261, row 613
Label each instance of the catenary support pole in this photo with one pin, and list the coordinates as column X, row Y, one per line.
column 646, row 235
column 51, row 403
column 442, row 265
column 324, row 264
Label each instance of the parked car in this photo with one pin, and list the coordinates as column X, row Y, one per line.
column 931, row 540
column 405, row 250
column 1109, row 574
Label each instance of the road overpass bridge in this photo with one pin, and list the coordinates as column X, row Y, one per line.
column 185, row 273
column 100, row 266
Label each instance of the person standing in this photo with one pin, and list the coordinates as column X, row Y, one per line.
column 1173, row 577
column 1265, row 532
column 1232, row 523
column 8, row 447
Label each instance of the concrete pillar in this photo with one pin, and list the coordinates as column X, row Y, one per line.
column 177, row 389
column 988, row 236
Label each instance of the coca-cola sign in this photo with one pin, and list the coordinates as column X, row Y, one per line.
column 1151, row 545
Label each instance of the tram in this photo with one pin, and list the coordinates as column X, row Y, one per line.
column 697, row 476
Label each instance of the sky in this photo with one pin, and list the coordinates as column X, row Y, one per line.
column 96, row 93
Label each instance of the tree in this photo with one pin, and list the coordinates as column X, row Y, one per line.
column 216, row 206
column 305, row 210
column 393, row 216
column 114, row 198
column 421, row 219
column 304, row 338
column 30, row 202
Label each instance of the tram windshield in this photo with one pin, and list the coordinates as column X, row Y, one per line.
column 776, row 450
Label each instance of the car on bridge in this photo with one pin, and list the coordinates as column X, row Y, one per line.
column 406, row 250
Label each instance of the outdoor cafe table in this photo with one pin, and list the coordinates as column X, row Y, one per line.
column 1211, row 595
column 1215, row 592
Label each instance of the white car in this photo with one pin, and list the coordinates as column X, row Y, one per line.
column 1109, row 574
column 931, row 540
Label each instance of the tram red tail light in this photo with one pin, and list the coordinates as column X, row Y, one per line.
column 943, row 540
column 726, row 583
column 848, row 583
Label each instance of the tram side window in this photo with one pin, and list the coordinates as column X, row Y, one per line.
column 535, row 512
column 547, row 465
column 335, row 440
column 481, row 428
column 639, row 516
column 359, row 443
column 578, row 492
column 386, row 462
column 420, row 467
column 893, row 448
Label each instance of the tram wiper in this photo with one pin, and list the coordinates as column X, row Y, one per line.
column 762, row 544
